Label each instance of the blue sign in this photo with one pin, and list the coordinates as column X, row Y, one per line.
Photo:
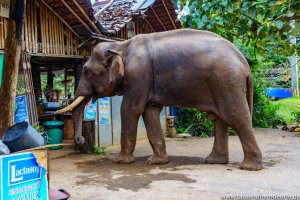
column 104, row 110
column 22, row 177
column 90, row 111
column 21, row 111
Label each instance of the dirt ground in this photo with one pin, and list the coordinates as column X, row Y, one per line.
column 187, row 176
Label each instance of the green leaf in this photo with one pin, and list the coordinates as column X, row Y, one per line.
column 252, row 11
column 224, row 3
column 279, row 24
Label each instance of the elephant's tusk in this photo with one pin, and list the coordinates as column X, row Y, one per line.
column 71, row 106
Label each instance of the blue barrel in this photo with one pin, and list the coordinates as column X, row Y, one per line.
column 279, row 93
column 22, row 136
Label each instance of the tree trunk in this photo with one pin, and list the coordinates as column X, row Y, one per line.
column 88, row 132
column 12, row 51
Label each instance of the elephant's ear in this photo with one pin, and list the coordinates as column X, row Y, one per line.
column 116, row 63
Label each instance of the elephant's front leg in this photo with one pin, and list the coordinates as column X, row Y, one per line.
column 155, row 135
column 129, row 116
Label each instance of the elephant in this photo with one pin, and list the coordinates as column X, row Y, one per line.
column 185, row 68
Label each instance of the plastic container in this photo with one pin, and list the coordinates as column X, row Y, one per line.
column 279, row 93
column 22, row 136
column 3, row 148
column 55, row 133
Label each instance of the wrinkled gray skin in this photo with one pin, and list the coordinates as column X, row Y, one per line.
column 183, row 68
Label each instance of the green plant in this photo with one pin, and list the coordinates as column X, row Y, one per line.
column 264, row 113
column 297, row 116
column 101, row 151
column 193, row 121
column 288, row 109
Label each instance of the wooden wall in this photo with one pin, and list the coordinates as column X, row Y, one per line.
column 43, row 32
column 141, row 26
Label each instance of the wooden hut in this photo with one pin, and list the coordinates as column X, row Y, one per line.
column 58, row 37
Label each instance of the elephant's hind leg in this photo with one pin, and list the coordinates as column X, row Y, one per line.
column 219, row 154
column 155, row 135
column 252, row 154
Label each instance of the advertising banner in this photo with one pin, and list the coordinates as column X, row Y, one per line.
column 24, row 176
column 90, row 111
column 104, row 111
column 21, row 110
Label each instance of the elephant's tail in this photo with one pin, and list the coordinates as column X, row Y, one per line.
column 250, row 93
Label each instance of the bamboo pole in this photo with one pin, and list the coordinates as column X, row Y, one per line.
column 42, row 25
column 35, row 28
column 26, row 31
column 1, row 33
column 169, row 14
column 32, row 25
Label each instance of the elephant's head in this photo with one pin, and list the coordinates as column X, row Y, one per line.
column 102, row 76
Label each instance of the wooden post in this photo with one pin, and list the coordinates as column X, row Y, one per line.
column 68, row 129
column 171, row 131
column 50, row 78
column 12, row 51
column 77, row 71
column 36, row 75
column 88, row 132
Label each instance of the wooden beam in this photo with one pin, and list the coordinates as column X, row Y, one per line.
column 87, row 17
column 149, row 25
column 74, row 13
column 57, row 15
column 158, row 18
column 169, row 14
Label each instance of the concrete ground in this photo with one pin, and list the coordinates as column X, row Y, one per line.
column 187, row 176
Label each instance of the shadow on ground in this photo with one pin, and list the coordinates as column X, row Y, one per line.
column 133, row 176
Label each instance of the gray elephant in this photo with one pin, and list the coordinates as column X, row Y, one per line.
column 183, row 68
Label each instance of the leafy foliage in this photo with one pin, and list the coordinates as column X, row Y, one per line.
column 289, row 109
column 264, row 113
column 57, row 82
column 260, row 29
column 193, row 121
column 262, row 25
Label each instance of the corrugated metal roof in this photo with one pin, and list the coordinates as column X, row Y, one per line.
column 116, row 13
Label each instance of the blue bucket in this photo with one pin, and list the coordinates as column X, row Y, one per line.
column 22, row 136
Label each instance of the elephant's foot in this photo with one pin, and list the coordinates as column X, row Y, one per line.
column 251, row 165
column 122, row 159
column 156, row 160
column 215, row 158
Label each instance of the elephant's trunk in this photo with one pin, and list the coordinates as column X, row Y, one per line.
column 77, row 121
column 78, row 107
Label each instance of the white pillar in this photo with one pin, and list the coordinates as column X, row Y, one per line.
column 294, row 66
